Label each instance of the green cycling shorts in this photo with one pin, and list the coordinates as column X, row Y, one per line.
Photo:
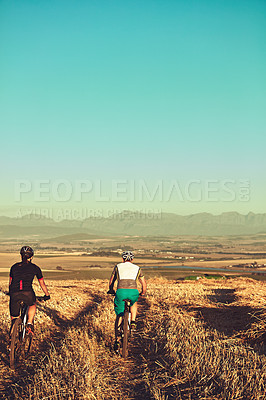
column 122, row 294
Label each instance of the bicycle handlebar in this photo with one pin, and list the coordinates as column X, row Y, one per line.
column 43, row 298
column 39, row 298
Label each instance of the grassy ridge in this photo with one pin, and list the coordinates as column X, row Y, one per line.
column 195, row 340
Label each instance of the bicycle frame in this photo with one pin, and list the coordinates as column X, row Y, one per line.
column 24, row 318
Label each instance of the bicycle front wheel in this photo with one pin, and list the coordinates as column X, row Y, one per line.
column 15, row 342
column 125, row 334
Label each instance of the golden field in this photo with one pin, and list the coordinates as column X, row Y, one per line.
column 200, row 339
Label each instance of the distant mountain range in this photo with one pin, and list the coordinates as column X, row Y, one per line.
column 135, row 223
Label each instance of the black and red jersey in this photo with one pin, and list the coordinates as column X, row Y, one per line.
column 22, row 275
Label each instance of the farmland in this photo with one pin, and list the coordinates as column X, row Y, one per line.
column 200, row 339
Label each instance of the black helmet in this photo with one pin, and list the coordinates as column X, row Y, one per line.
column 26, row 252
column 127, row 255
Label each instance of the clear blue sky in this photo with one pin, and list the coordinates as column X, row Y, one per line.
column 136, row 90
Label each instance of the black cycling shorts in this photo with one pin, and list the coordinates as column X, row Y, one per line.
column 28, row 298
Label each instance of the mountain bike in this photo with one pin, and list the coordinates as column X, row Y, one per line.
column 21, row 341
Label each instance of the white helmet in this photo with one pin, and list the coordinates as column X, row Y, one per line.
column 127, row 255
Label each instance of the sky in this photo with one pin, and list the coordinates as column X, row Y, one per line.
column 143, row 105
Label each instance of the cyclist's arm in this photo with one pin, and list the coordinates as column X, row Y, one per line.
column 143, row 285
column 112, row 279
column 10, row 275
column 43, row 286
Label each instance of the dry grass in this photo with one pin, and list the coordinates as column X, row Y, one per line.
column 195, row 340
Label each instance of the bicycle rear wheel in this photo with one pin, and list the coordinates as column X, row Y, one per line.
column 125, row 334
column 15, row 342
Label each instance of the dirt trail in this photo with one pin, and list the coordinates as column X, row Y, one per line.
column 135, row 386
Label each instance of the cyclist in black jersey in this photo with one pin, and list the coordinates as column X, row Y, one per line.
column 20, row 286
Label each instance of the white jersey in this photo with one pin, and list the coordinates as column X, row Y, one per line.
column 127, row 274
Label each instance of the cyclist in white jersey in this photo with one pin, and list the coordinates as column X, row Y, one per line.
column 127, row 274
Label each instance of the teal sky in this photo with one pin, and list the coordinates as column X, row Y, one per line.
column 134, row 90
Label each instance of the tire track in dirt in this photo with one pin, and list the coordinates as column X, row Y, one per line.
column 229, row 317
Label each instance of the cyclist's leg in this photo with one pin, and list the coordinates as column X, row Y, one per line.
column 31, row 302
column 29, row 299
column 119, row 304
column 31, row 313
column 134, row 295
column 118, row 322
column 119, row 307
column 133, row 310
